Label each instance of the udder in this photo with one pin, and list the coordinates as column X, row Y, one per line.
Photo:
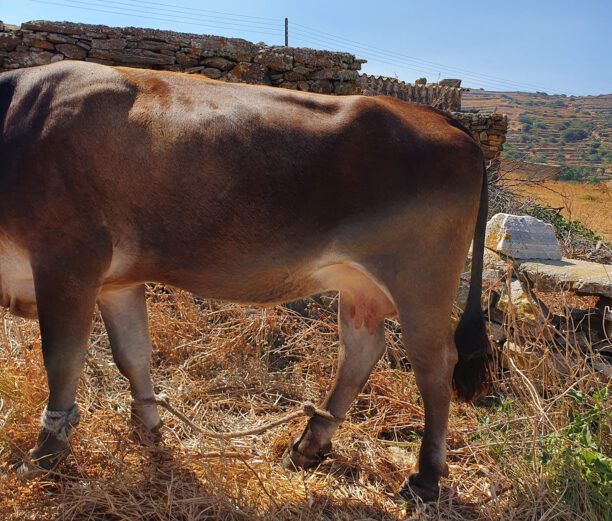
column 16, row 281
column 371, row 302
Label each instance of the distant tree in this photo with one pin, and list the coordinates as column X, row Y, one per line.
column 582, row 174
column 571, row 135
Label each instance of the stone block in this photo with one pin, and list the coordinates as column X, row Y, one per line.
column 109, row 44
column 74, row 52
column 217, row 62
column 152, row 45
column 248, row 73
column 344, row 88
column 522, row 237
column 232, row 48
column 186, row 59
column 211, row 72
column 132, row 56
column 322, row 59
column 524, row 309
column 9, row 41
column 38, row 41
column 100, row 61
column 275, row 58
column 322, row 86
column 60, row 38
column 583, row 277
column 55, row 27
column 335, row 73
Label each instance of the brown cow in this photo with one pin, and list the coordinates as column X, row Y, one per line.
column 112, row 177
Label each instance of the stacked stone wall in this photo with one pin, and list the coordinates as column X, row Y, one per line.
column 487, row 129
column 434, row 94
column 230, row 59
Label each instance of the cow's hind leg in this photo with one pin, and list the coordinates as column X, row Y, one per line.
column 424, row 304
column 66, row 287
column 362, row 343
column 125, row 316
column 433, row 357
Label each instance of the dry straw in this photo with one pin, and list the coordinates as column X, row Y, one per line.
column 235, row 368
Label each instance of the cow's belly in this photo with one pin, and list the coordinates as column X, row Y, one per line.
column 16, row 280
column 17, row 291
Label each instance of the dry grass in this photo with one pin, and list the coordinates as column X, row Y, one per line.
column 590, row 204
column 230, row 368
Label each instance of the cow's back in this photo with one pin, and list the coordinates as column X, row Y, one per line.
column 217, row 185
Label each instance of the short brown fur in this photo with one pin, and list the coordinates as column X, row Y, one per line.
column 114, row 177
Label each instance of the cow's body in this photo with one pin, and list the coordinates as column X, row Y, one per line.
column 113, row 177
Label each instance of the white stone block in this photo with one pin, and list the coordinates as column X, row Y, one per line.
column 522, row 237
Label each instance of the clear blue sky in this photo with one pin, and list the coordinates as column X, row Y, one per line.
column 558, row 46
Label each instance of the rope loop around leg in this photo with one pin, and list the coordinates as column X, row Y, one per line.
column 60, row 423
column 308, row 409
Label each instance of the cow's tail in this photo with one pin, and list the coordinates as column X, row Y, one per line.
column 472, row 375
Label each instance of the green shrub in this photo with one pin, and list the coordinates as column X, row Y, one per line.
column 579, row 174
column 576, row 460
column 571, row 135
column 562, row 225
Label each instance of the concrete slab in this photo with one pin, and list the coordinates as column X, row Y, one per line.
column 583, row 277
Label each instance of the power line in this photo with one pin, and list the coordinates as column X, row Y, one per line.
column 421, row 64
column 185, row 11
column 397, row 62
column 270, row 26
column 138, row 10
column 234, row 15
column 148, row 17
column 378, row 49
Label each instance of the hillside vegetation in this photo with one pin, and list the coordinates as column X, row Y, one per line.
column 571, row 131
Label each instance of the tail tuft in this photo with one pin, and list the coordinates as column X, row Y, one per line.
column 472, row 376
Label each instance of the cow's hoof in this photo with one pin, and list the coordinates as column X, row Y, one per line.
column 44, row 458
column 147, row 437
column 53, row 441
column 415, row 488
column 294, row 459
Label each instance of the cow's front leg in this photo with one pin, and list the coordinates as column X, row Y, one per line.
column 65, row 301
column 125, row 316
column 362, row 343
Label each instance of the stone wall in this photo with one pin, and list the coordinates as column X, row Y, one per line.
column 440, row 96
column 230, row 59
column 487, row 129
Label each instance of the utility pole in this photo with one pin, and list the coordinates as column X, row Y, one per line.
column 286, row 32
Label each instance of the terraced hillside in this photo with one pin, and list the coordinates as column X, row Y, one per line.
column 571, row 131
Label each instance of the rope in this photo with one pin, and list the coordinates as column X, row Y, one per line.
column 308, row 409
column 60, row 423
